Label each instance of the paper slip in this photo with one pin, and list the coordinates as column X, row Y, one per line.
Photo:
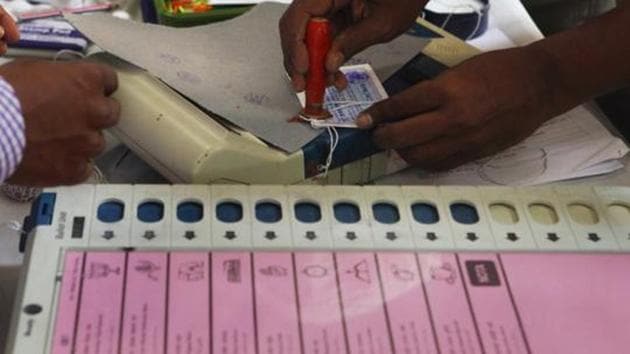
column 364, row 89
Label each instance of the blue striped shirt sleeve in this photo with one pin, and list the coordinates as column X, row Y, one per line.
column 12, row 134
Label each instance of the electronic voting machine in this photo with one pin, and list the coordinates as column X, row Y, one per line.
column 187, row 144
column 312, row 269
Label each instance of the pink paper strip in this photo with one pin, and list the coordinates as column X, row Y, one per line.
column 363, row 304
column 411, row 321
column 233, row 304
column 145, row 303
column 571, row 303
column 188, row 303
column 101, row 303
column 496, row 317
column 276, row 310
column 63, row 336
column 454, row 325
column 322, row 326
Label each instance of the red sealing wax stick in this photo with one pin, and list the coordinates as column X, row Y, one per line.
column 318, row 41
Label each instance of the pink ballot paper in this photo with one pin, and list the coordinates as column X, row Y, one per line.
column 347, row 302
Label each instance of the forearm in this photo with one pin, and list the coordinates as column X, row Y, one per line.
column 589, row 60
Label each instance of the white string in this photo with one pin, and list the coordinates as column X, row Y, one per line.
column 337, row 105
column 474, row 9
column 12, row 225
column 333, row 136
column 69, row 52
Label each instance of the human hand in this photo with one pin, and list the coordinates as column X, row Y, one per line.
column 476, row 109
column 8, row 31
column 65, row 107
column 357, row 24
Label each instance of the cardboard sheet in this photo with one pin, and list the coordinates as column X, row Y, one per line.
column 233, row 69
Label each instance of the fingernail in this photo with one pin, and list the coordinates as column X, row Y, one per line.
column 364, row 121
column 335, row 62
column 298, row 84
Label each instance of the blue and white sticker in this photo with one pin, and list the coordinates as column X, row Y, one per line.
column 364, row 89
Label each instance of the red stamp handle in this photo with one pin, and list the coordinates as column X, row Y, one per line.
column 318, row 41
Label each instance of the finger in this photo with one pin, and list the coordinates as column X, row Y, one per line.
column 338, row 80
column 359, row 10
column 355, row 38
column 413, row 131
column 449, row 152
column 428, row 154
column 292, row 32
column 299, row 82
column 75, row 170
column 483, row 150
column 90, row 145
column 423, row 97
column 102, row 77
column 105, row 113
column 110, row 79
column 3, row 48
column 10, row 29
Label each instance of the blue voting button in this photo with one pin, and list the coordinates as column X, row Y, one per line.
column 464, row 213
column 229, row 212
column 190, row 212
column 308, row 212
column 386, row 213
column 347, row 213
column 425, row 213
column 268, row 212
column 111, row 211
column 152, row 211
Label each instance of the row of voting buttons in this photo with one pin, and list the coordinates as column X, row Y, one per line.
column 270, row 212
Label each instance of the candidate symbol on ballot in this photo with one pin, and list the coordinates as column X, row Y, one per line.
column 361, row 272
column 148, row 268
column 444, row 272
column 483, row 273
column 315, row 271
column 402, row 274
column 232, row 269
column 274, row 271
column 191, row 271
column 98, row 270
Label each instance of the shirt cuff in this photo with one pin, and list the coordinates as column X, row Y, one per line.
column 12, row 133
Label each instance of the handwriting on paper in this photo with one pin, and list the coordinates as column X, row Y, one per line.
column 189, row 77
column 170, row 58
column 257, row 99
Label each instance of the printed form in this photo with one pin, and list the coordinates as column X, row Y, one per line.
column 349, row 302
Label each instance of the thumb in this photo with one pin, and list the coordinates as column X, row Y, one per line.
column 11, row 33
column 421, row 98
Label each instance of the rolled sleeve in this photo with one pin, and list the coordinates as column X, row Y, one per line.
column 12, row 134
